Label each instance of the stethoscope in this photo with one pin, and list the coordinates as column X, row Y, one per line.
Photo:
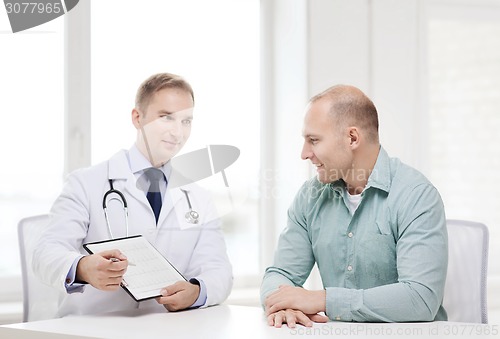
column 191, row 216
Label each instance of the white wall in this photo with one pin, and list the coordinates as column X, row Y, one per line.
column 284, row 94
column 374, row 46
column 379, row 46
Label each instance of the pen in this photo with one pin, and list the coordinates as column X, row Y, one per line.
column 130, row 263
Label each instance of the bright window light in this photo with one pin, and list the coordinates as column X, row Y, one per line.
column 215, row 46
column 31, row 133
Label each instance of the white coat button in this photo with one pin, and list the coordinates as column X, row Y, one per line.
column 350, row 234
column 349, row 268
column 337, row 318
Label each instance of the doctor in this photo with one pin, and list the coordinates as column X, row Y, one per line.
column 91, row 283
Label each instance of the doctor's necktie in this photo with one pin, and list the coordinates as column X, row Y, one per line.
column 154, row 195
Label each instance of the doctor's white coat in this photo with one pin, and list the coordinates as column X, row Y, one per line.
column 77, row 217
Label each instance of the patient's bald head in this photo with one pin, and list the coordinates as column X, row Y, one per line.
column 349, row 106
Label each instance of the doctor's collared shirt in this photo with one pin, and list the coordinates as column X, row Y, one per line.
column 385, row 262
column 138, row 164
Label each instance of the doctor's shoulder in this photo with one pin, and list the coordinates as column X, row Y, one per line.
column 99, row 171
column 87, row 178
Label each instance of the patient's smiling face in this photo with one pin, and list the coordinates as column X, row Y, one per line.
column 326, row 145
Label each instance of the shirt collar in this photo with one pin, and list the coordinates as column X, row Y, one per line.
column 138, row 163
column 380, row 177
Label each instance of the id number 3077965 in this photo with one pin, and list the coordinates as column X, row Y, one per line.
column 470, row 329
column 34, row 7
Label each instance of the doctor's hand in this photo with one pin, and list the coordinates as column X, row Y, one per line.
column 179, row 296
column 99, row 271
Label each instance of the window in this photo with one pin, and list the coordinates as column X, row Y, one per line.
column 218, row 53
column 31, row 134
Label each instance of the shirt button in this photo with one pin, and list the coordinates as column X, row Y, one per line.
column 349, row 268
column 350, row 234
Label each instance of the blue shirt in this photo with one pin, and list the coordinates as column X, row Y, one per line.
column 138, row 163
column 386, row 262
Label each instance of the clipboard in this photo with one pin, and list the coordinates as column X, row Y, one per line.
column 151, row 270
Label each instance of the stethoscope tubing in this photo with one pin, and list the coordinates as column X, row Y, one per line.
column 191, row 216
column 105, row 207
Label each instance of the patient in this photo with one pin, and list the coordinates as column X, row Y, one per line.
column 374, row 226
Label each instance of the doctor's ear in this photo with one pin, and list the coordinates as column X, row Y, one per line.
column 136, row 118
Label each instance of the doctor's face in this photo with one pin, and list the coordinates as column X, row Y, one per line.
column 165, row 126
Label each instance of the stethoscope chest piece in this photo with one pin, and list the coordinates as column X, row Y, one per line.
column 192, row 217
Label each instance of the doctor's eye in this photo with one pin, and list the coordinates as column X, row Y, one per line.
column 167, row 117
column 187, row 122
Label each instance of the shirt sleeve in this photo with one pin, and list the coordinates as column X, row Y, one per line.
column 294, row 258
column 422, row 258
column 202, row 297
column 70, row 284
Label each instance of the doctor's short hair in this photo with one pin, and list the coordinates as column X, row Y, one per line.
column 156, row 83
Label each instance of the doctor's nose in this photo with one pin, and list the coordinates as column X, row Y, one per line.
column 175, row 129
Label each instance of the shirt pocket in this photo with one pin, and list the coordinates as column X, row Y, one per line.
column 377, row 260
column 383, row 226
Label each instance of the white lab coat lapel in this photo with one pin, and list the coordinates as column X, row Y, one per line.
column 170, row 202
column 119, row 169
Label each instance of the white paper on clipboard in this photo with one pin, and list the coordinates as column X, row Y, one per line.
column 151, row 271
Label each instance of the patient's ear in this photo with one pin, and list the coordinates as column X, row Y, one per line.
column 354, row 137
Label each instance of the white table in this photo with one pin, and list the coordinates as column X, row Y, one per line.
column 227, row 321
